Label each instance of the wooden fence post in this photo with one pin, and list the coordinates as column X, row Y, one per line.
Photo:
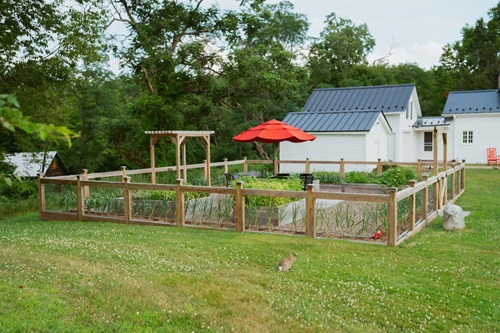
column 245, row 164
column 240, row 208
column 392, row 233
column 425, row 198
column 419, row 167
column 124, row 171
column 463, row 176
column 379, row 166
column 412, row 206
column 226, row 168
column 86, row 190
column 80, row 204
column 127, row 201
column 41, row 195
column 436, row 195
column 453, row 180
column 444, row 190
column 308, row 166
column 310, row 218
column 205, row 172
column 342, row 170
column 180, row 214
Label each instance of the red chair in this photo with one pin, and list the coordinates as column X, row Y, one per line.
column 493, row 158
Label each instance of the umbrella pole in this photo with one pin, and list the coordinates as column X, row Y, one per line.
column 274, row 162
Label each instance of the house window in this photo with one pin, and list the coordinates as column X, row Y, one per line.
column 467, row 137
column 428, row 141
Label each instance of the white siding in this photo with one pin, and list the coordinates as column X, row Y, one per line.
column 429, row 155
column 486, row 134
column 393, row 151
column 326, row 147
column 403, row 145
column 377, row 141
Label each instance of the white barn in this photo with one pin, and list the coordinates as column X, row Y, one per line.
column 385, row 122
column 357, row 124
column 475, row 124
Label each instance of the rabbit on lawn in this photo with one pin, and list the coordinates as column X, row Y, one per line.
column 286, row 263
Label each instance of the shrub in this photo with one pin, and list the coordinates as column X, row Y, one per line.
column 358, row 177
column 20, row 189
column 328, row 177
column 290, row 184
column 397, row 177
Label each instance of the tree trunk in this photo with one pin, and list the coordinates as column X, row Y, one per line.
column 261, row 151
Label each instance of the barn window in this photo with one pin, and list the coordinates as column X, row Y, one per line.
column 468, row 137
column 428, row 141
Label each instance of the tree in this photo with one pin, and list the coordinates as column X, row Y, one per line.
column 11, row 118
column 41, row 45
column 167, row 41
column 341, row 45
column 261, row 77
column 475, row 60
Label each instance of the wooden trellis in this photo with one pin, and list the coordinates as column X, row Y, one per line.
column 179, row 138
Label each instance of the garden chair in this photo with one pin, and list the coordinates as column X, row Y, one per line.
column 307, row 178
column 493, row 158
column 229, row 178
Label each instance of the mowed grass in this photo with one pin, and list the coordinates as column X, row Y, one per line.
column 81, row 276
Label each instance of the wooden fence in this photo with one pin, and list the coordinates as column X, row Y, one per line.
column 429, row 195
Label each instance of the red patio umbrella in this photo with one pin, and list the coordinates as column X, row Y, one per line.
column 274, row 131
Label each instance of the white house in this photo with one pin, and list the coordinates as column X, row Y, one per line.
column 368, row 123
column 357, row 124
column 475, row 124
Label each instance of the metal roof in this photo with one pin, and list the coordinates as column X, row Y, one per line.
column 388, row 98
column 29, row 164
column 333, row 121
column 476, row 101
column 433, row 121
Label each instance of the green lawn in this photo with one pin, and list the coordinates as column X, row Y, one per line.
column 81, row 276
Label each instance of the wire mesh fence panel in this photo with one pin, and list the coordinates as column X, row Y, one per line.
column 350, row 219
column 102, row 201
column 419, row 209
column 209, row 209
column 404, row 216
column 449, row 188
column 431, row 200
column 60, row 197
column 153, row 205
column 275, row 214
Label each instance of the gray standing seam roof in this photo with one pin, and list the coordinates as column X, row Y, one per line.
column 349, row 121
column 476, row 101
column 389, row 98
column 352, row 109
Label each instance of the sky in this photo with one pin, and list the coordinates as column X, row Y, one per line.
column 412, row 31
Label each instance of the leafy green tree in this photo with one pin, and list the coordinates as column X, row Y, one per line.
column 341, row 45
column 11, row 118
column 167, row 42
column 262, row 78
column 475, row 60
column 41, row 45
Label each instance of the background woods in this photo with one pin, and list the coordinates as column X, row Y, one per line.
column 191, row 66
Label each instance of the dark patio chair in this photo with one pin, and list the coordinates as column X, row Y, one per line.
column 229, row 178
column 307, row 178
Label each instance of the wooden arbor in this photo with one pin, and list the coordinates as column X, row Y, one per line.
column 179, row 138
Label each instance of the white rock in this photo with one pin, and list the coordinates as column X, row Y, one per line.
column 453, row 217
